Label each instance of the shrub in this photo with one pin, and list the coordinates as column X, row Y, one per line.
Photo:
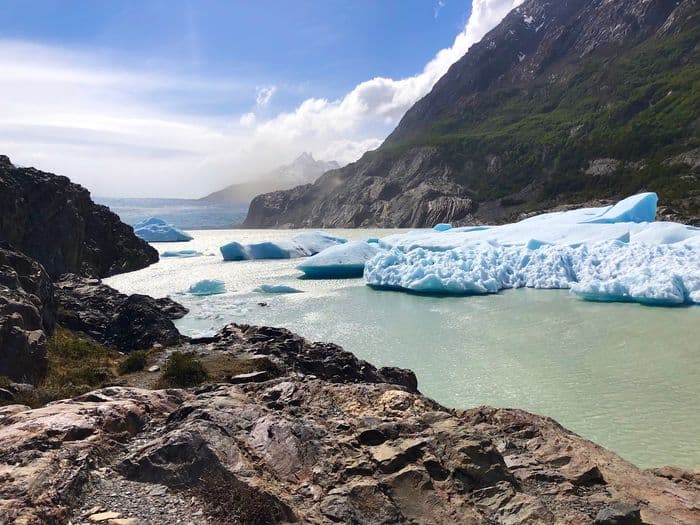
column 183, row 370
column 134, row 362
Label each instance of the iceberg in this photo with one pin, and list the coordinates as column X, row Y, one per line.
column 207, row 287
column 302, row 245
column 155, row 229
column 276, row 288
column 614, row 253
column 181, row 253
column 339, row 262
column 442, row 227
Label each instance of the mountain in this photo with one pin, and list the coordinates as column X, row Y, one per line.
column 303, row 170
column 562, row 103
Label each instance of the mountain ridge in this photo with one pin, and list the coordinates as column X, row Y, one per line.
column 304, row 169
column 559, row 104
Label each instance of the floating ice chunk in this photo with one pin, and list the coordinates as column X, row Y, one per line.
column 207, row 287
column 181, row 253
column 155, row 229
column 442, row 227
column 609, row 271
column 339, row 262
column 638, row 208
column 302, row 245
column 276, row 288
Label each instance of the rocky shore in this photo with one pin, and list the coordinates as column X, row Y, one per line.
column 315, row 436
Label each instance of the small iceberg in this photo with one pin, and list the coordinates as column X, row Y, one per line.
column 181, row 253
column 276, row 288
column 155, row 229
column 339, row 262
column 207, row 287
column 442, row 227
column 302, row 245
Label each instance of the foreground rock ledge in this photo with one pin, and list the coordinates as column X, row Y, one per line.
column 299, row 448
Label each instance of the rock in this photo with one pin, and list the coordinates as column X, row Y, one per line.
column 104, row 516
column 154, row 368
column 254, row 377
column 619, row 514
column 172, row 309
column 123, row 521
column 27, row 316
column 124, row 322
column 56, row 223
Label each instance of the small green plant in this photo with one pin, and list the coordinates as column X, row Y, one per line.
column 183, row 370
column 134, row 362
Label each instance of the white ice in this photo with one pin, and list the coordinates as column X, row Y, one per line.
column 615, row 253
column 181, row 253
column 339, row 262
column 155, row 229
column 207, row 287
column 302, row 245
column 276, row 288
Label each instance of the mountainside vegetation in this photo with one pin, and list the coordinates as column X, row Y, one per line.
column 561, row 103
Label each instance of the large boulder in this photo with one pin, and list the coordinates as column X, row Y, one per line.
column 54, row 221
column 27, row 315
column 124, row 322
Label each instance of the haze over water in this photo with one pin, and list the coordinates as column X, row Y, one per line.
column 622, row 375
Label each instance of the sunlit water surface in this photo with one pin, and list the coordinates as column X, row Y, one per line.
column 623, row 375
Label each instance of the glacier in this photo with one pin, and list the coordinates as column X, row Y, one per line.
column 612, row 253
column 342, row 261
column 155, row 229
column 301, row 245
column 277, row 288
column 207, row 287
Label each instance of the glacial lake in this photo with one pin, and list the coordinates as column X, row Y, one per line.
column 623, row 375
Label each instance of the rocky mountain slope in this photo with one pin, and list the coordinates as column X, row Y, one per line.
column 303, row 170
column 563, row 102
column 54, row 221
column 321, row 437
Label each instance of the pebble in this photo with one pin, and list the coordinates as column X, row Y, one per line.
column 104, row 516
column 153, row 368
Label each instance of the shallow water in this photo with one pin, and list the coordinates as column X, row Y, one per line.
column 623, row 375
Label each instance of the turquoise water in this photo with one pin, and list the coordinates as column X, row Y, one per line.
column 623, row 375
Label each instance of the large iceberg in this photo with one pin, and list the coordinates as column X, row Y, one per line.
column 615, row 253
column 339, row 262
column 302, row 245
column 155, row 229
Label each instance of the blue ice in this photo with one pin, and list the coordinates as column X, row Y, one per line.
column 155, row 229
column 207, row 287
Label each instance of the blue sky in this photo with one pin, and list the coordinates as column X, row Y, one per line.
column 202, row 93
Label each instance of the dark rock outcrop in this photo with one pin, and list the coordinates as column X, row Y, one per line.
column 562, row 102
column 55, row 222
column 291, row 353
column 124, row 322
column 27, row 316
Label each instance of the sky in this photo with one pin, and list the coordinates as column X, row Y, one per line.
column 178, row 98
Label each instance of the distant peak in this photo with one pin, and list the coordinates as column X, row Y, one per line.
column 306, row 156
column 5, row 161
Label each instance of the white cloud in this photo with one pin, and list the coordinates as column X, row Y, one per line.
column 264, row 95
column 109, row 128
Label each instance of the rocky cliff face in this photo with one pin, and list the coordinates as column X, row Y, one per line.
column 562, row 102
column 326, row 438
column 27, row 316
column 55, row 222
